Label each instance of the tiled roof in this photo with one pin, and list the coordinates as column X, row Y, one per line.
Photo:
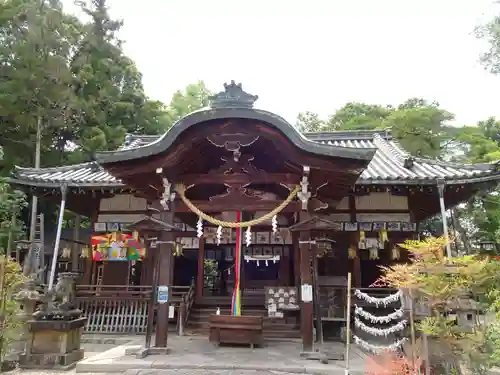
column 390, row 165
column 85, row 174
column 137, row 140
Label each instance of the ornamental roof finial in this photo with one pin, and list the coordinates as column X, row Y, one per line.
column 232, row 96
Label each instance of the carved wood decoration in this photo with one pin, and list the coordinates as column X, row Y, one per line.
column 232, row 142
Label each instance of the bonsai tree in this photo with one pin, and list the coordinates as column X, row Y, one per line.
column 445, row 286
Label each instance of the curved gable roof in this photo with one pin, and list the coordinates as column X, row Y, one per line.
column 232, row 103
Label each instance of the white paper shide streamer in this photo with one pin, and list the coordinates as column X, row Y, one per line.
column 379, row 348
column 380, row 332
column 384, row 301
column 199, row 227
column 376, row 319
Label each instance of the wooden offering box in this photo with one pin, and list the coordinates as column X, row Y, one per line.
column 229, row 329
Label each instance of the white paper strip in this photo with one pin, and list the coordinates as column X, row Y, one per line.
column 378, row 301
column 379, row 348
column 381, row 332
column 397, row 314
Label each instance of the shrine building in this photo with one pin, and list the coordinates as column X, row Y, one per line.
column 175, row 210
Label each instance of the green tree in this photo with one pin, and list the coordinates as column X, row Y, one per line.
column 420, row 126
column 195, row 96
column 308, row 122
column 37, row 40
column 359, row 116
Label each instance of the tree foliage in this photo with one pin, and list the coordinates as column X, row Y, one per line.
column 444, row 285
column 420, row 126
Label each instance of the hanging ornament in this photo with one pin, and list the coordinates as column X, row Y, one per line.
column 229, row 271
column 135, row 235
column 384, row 301
column 383, row 236
column 219, row 234
column 248, row 236
column 362, row 235
column 274, row 223
column 258, row 263
column 373, row 253
column 85, row 252
column 379, row 348
column 381, row 332
column 113, row 237
column 352, row 252
column 199, row 227
column 378, row 319
column 267, row 264
column 66, row 253
column 396, row 253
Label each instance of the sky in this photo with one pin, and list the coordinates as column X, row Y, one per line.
column 315, row 55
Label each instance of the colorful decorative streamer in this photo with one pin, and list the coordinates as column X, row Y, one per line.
column 236, row 301
column 117, row 247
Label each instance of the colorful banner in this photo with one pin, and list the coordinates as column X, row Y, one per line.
column 117, row 247
column 236, row 301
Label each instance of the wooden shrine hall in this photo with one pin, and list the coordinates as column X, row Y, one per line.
column 231, row 200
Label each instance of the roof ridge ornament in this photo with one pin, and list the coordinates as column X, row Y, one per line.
column 232, row 96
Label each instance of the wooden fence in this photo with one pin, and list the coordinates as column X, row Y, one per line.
column 124, row 308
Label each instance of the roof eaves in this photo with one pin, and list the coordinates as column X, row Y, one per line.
column 475, row 178
column 57, row 184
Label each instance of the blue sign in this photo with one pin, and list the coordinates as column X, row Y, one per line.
column 162, row 294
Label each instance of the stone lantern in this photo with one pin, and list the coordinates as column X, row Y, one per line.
column 487, row 246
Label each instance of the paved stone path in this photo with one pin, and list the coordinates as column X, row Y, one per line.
column 208, row 372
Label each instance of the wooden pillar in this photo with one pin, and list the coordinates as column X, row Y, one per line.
column 306, row 316
column 164, row 264
column 75, row 253
column 356, row 262
column 296, row 258
column 200, row 274
column 284, row 270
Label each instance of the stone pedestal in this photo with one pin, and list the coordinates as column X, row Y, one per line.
column 55, row 330
column 53, row 344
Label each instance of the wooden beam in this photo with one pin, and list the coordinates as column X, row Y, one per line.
column 240, row 178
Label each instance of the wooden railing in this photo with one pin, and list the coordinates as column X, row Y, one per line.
column 123, row 308
column 185, row 309
column 114, row 308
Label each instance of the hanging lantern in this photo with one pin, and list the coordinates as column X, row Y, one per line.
column 66, row 253
column 396, row 253
column 362, row 235
column 85, row 253
column 383, row 236
column 178, row 249
column 135, row 235
column 352, row 252
column 373, row 253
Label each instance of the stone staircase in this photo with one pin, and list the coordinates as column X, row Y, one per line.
column 279, row 329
